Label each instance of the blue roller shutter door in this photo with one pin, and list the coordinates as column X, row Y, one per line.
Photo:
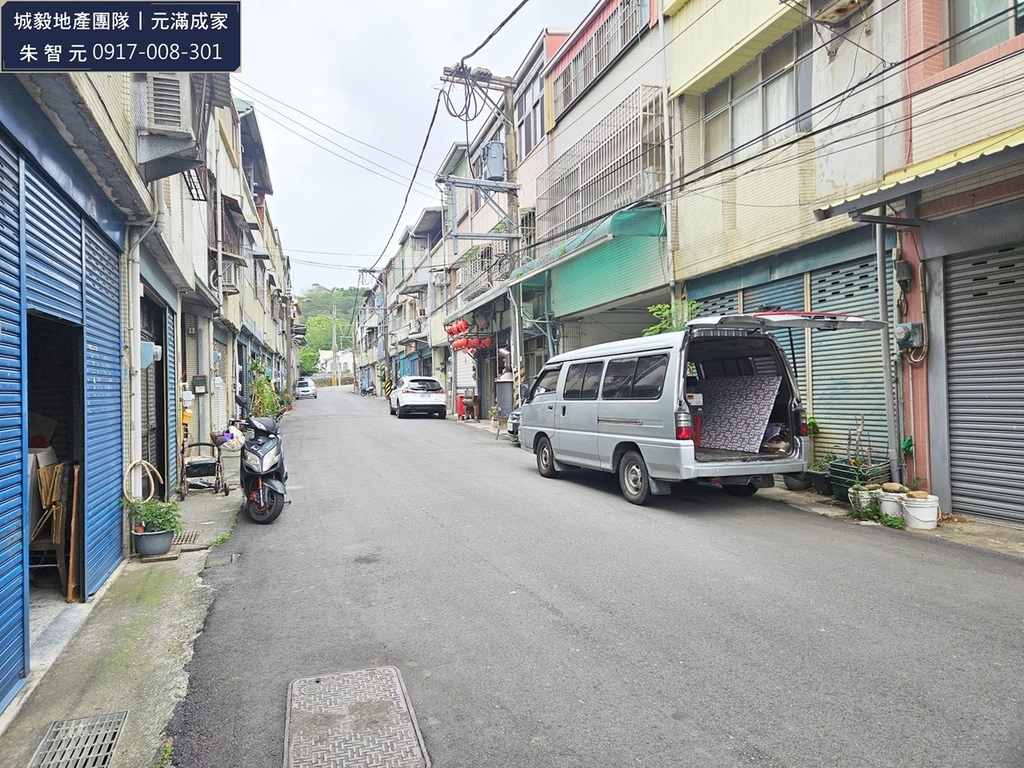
column 170, row 354
column 53, row 245
column 104, row 455
column 72, row 273
column 13, row 536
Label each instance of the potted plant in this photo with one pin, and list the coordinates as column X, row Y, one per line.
column 154, row 523
column 818, row 473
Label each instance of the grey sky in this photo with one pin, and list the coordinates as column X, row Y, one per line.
column 371, row 71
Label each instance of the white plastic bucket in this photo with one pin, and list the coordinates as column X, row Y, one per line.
column 921, row 513
column 859, row 499
column 889, row 503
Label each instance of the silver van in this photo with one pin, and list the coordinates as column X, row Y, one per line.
column 715, row 403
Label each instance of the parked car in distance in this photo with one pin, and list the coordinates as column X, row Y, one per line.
column 418, row 394
column 512, row 423
column 305, row 387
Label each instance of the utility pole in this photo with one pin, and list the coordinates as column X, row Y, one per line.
column 334, row 346
column 514, row 244
column 483, row 81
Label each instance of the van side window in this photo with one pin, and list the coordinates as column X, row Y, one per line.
column 592, row 380
column 650, row 377
column 618, row 379
column 635, row 378
column 545, row 383
column 582, row 381
column 574, row 382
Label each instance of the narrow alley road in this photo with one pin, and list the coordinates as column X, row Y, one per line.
column 550, row 623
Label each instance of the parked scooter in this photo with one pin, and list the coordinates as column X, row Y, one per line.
column 262, row 473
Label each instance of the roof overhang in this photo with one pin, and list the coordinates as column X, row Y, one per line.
column 985, row 156
column 482, row 300
column 428, row 222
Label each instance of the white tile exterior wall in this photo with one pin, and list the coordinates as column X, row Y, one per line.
column 972, row 108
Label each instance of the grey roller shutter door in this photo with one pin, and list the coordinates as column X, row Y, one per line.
column 847, row 379
column 784, row 294
column 985, row 374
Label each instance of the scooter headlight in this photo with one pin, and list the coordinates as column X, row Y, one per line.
column 261, row 464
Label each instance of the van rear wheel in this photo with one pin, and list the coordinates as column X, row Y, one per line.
column 545, row 458
column 634, row 479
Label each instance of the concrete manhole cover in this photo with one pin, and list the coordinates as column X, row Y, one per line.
column 354, row 719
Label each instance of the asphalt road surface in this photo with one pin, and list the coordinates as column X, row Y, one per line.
column 550, row 623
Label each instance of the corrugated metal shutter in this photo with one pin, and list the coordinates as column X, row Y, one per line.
column 846, row 367
column 722, row 304
column 53, row 246
column 785, row 294
column 243, row 368
column 151, row 389
column 104, row 457
column 985, row 374
column 13, row 536
column 220, row 393
column 171, row 358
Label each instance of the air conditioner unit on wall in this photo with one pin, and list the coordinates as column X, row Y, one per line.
column 169, row 103
column 835, row 11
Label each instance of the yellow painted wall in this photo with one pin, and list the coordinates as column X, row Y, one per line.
column 710, row 40
column 731, row 218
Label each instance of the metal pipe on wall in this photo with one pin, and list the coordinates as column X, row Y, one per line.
column 134, row 246
column 892, row 424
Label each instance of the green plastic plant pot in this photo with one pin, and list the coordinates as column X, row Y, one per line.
column 153, row 543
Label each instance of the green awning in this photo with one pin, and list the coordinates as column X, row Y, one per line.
column 639, row 222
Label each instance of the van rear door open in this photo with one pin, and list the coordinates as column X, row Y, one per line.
column 775, row 321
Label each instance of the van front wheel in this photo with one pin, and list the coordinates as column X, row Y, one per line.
column 634, row 479
column 545, row 458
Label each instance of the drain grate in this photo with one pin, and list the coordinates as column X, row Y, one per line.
column 185, row 537
column 87, row 742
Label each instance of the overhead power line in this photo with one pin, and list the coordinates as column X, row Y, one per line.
column 405, row 201
column 423, row 188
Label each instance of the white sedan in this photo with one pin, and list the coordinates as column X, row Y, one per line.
column 418, row 394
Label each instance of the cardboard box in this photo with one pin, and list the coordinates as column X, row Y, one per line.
column 37, row 457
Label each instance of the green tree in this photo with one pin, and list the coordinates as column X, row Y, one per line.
column 669, row 320
column 309, row 361
column 318, row 305
column 318, row 332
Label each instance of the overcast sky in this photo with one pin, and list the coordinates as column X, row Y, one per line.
column 371, row 71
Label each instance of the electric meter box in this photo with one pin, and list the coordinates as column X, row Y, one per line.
column 494, row 158
column 909, row 335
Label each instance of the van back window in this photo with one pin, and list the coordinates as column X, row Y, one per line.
column 635, row 378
